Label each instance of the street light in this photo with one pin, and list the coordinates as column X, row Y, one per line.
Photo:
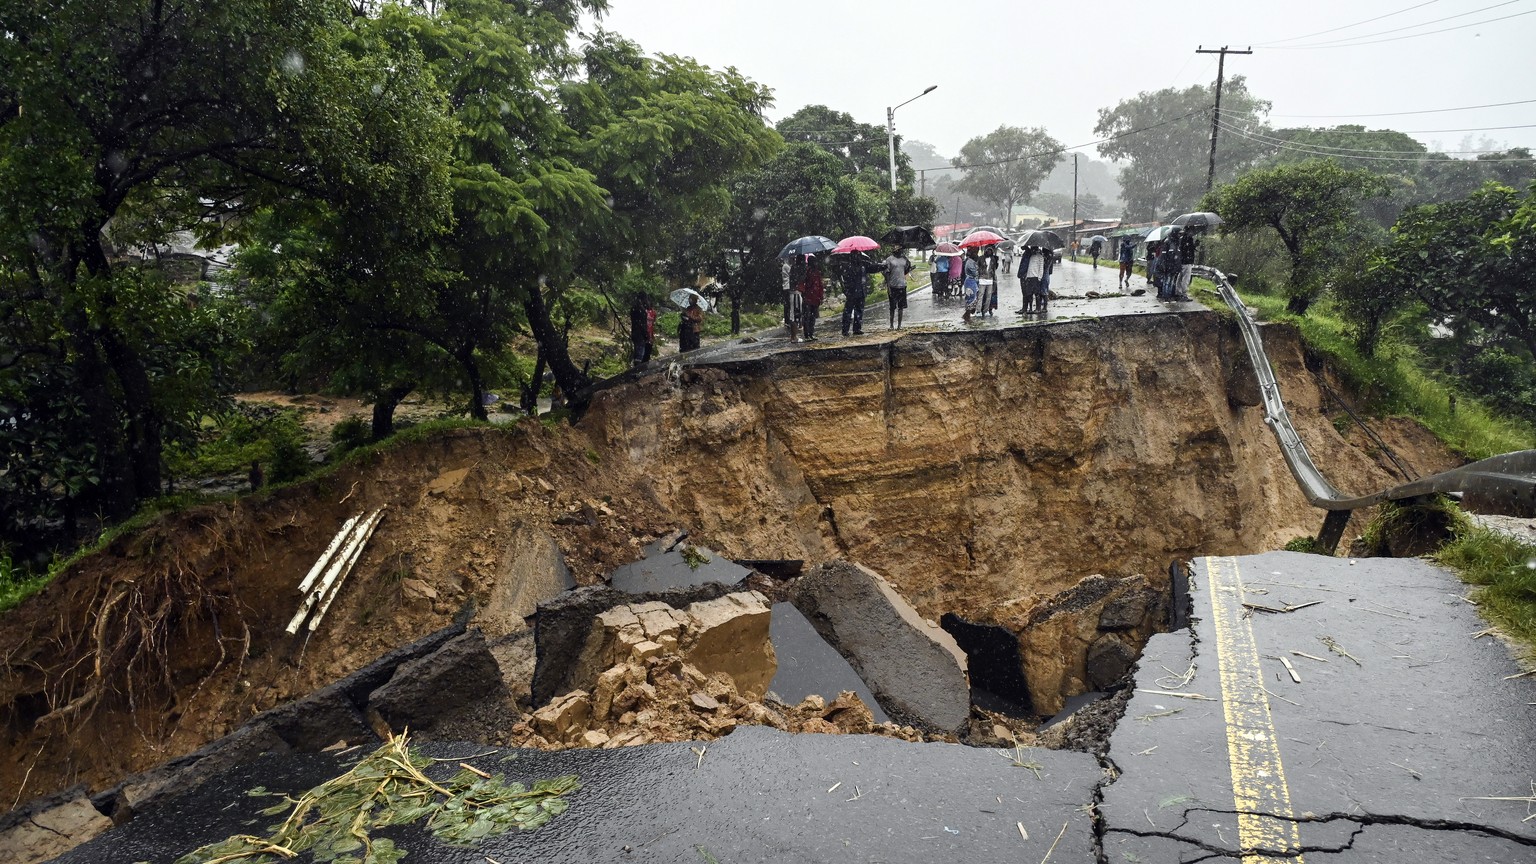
column 890, row 130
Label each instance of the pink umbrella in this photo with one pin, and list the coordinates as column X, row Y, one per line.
column 948, row 249
column 856, row 243
column 981, row 238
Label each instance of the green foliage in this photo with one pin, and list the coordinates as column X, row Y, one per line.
column 1472, row 262
column 246, row 434
column 16, row 584
column 1169, row 154
column 1505, row 570
column 335, row 821
column 1393, row 382
column 693, row 557
column 1308, row 545
column 350, row 434
column 1004, row 166
column 1312, row 206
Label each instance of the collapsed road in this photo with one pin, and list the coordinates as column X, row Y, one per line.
column 912, row 456
column 1403, row 739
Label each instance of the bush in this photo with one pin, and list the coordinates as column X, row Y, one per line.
column 350, row 434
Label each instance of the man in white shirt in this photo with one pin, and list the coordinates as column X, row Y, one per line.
column 897, row 266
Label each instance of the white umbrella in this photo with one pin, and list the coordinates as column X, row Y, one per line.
column 681, row 296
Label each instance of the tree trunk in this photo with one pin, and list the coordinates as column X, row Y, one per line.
column 736, row 310
column 384, row 409
column 476, row 384
column 530, row 391
column 556, row 351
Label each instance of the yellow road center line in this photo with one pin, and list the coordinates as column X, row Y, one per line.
column 1265, row 829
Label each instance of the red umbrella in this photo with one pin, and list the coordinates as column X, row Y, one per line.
column 947, row 249
column 856, row 243
column 981, row 238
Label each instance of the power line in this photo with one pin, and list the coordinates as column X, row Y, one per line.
column 1250, row 116
column 1419, row 152
column 1400, row 38
column 1421, row 156
column 1125, row 134
column 1401, row 29
column 1406, row 113
column 1347, row 26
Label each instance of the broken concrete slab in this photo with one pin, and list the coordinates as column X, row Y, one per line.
column 915, row 669
column 1100, row 616
column 531, row 570
column 807, row 664
column 671, row 563
column 427, row 690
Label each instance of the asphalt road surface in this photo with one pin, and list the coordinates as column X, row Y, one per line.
column 1408, row 738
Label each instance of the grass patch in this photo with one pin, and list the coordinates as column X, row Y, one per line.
column 1392, row 382
column 1504, row 569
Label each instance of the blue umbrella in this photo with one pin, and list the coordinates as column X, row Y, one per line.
column 815, row 244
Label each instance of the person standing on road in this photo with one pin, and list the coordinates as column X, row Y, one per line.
column 1168, row 269
column 854, row 271
column 812, row 291
column 689, row 325
column 1095, row 248
column 897, row 266
column 938, row 275
column 638, row 335
column 971, row 269
column 1188, row 248
column 1031, row 275
column 989, row 273
column 1127, row 260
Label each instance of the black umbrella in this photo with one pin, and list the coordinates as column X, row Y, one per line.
column 815, row 244
column 909, row 236
column 1198, row 220
column 1041, row 239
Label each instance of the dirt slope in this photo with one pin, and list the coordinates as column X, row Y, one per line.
column 978, row 472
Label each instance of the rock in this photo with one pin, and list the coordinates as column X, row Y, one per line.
column 49, row 833
column 425, row 691
column 565, row 718
column 704, row 701
column 415, row 589
column 731, row 635
column 530, row 570
column 594, row 738
column 644, row 650
column 1124, row 612
column 608, row 686
column 818, row 726
column 812, row 704
column 914, row 668
column 1108, row 659
column 849, row 714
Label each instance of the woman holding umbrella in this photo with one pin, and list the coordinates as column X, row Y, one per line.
column 812, row 291
column 854, row 269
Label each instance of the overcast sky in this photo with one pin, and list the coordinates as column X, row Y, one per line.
column 1037, row 64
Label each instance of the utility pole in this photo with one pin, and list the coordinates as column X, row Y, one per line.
column 1072, row 250
column 1221, row 70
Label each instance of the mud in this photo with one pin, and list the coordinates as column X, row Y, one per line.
column 979, row 473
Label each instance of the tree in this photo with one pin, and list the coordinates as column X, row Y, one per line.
column 1166, row 135
column 1472, row 262
column 1006, row 165
column 1312, row 206
column 186, row 113
column 863, row 147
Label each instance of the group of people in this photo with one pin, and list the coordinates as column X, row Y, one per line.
column 853, row 270
column 1170, row 264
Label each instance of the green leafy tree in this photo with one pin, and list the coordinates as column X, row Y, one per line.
column 1472, row 262
column 1313, row 207
column 1005, row 166
column 863, row 147
column 182, row 114
column 1166, row 136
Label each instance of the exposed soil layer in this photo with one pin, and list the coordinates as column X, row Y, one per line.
column 980, row 473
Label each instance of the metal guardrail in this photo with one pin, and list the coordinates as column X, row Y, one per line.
column 1511, row 475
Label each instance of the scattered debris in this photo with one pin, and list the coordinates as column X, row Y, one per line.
column 1059, row 835
column 1412, row 773
column 1310, row 656
column 1022, row 833
column 1338, row 649
column 1260, row 607
column 336, row 563
column 390, row 787
column 1155, row 714
column 1291, row 669
column 1196, row 696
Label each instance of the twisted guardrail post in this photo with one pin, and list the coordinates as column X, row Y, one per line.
column 1511, row 476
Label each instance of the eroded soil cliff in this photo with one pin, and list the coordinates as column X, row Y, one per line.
column 980, row 473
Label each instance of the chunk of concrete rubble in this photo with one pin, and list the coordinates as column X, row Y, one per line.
column 1086, row 637
column 48, row 833
column 424, row 691
column 807, row 664
column 564, row 719
column 914, row 668
column 729, row 635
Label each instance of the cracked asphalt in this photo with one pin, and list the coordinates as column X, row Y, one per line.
column 1394, row 746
